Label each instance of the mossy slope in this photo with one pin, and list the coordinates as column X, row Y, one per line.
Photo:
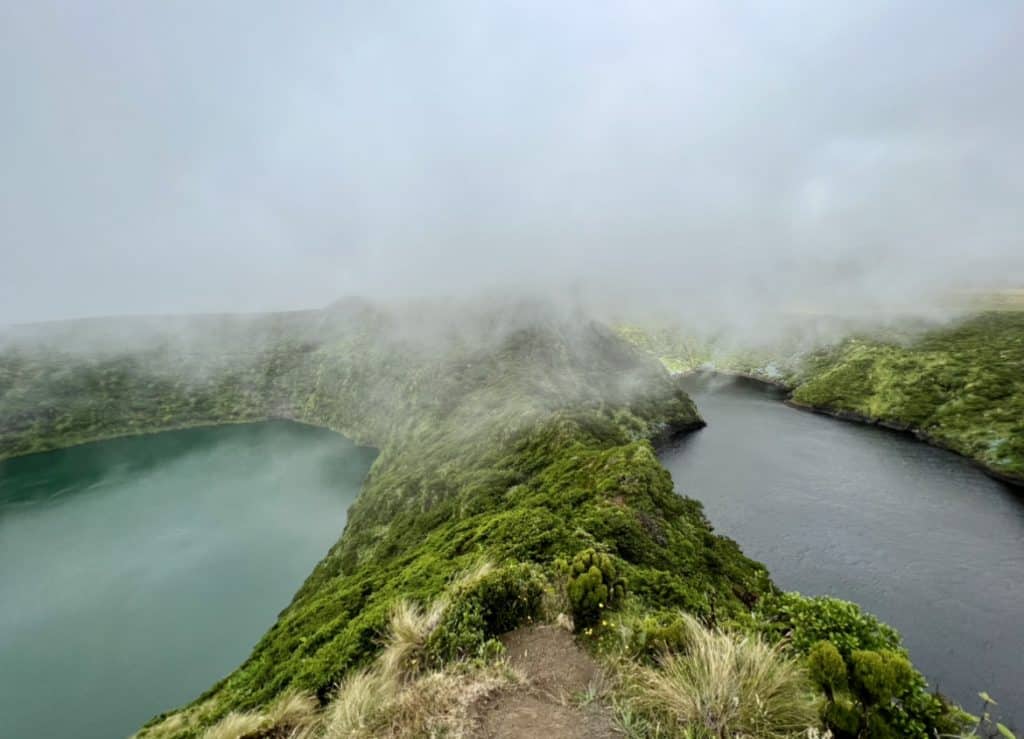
column 534, row 444
column 960, row 386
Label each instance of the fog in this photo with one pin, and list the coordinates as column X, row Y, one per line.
column 730, row 160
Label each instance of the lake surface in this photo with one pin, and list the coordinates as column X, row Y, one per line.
column 916, row 535
column 135, row 573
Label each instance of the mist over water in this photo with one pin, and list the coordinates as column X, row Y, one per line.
column 135, row 573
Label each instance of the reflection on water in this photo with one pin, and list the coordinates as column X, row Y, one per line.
column 914, row 534
column 135, row 573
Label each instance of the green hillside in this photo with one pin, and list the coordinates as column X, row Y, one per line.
column 959, row 385
column 526, row 442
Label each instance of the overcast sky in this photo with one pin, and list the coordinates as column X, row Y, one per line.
column 185, row 156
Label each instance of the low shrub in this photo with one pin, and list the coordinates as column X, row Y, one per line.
column 644, row 636
column 804, row 621
column 827, row 668
column 484, row 607
column 860, row 665
column 593, row 585
column 878, row 693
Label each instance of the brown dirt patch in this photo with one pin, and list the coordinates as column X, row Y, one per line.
column 558, row 673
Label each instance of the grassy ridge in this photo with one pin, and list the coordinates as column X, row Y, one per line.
column 960, row 386
column 526, row 444
column 528, row 458
column 535, row 446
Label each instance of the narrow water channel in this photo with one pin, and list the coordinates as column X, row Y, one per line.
column 136, row 573
column 914, row 534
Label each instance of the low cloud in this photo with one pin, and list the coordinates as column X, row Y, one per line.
column 730, row 160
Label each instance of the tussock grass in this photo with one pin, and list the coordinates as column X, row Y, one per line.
column 358, row 704
column 294, row 714
column 293, row 708
column 235, row 726
column 170, row 726
column 473, row 574
column 438, row 703
column 724, row 685
column 409, row 629
column 372, row 703
column 397, row 696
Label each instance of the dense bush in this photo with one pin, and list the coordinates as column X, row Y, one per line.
column 593, row 586
column 860, row 666
column 827, row 668
column 878, row 693
column 486, row 607
column 804, row 621
column 645, row 635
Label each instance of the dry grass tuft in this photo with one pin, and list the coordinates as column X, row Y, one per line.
column 408, row 631
column 358, row 704
column 293, row 714
column 440, row 703
column 564, row 621
column 293, row 709
column 473, row 574
column 170, row 726
column 235, row 726
column 371, row 704
column 726, row 686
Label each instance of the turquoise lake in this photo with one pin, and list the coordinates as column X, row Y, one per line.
column 137, row 572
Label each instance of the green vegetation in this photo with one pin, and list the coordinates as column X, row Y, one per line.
column 959, row 386
column 593, row 586
column 724, row 685
column 859, row 664
column 528, row 444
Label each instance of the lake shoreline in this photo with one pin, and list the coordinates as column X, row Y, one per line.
column 174, row 551
column 902, row 528
column 785, row 392
column 187, row 426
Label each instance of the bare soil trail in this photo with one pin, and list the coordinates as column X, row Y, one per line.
column 560, row 699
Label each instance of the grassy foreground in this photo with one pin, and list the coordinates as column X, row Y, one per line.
column 526, row 443
column 959, row 386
